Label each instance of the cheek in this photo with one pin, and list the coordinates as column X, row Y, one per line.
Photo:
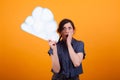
column 72, row 31
column 62, row 33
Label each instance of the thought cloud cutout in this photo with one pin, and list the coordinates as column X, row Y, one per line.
column 41, row 24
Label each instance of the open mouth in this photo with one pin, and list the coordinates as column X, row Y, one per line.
column 66, row 35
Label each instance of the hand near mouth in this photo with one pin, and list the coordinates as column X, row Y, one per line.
column 69, row 38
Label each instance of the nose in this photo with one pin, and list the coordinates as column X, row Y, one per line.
column 66, row 30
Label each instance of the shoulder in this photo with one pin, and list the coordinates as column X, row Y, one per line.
column 77, row 42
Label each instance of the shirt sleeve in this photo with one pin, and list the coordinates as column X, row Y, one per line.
column 50, row 52
column 80, row 48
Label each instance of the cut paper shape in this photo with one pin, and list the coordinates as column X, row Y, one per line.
column 41, row 24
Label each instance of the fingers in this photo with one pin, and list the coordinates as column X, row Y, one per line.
column 52, row 43
column 70, row 35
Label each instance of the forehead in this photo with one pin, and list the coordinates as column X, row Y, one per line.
column 67, row 25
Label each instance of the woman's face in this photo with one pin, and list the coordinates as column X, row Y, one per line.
column 67, row 28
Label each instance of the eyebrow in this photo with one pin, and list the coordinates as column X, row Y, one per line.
column 68, row 27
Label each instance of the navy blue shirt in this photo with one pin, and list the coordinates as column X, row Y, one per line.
column 66, row 66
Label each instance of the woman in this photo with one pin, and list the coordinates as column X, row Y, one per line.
column 67, row 54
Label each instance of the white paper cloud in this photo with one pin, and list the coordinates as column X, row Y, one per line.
column 41, row 24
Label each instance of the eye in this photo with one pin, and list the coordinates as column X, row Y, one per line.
column 69, row 28
column 64, row 28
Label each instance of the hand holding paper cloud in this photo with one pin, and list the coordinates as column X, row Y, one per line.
column 41, row 24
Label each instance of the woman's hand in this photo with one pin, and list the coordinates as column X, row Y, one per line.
column 54, row 57
column 52, row 44
column 69, row 38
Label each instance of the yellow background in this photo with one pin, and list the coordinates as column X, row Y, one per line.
column 24, row 56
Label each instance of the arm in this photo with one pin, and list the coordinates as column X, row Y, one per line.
column 75, row 57
column 54, row 57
